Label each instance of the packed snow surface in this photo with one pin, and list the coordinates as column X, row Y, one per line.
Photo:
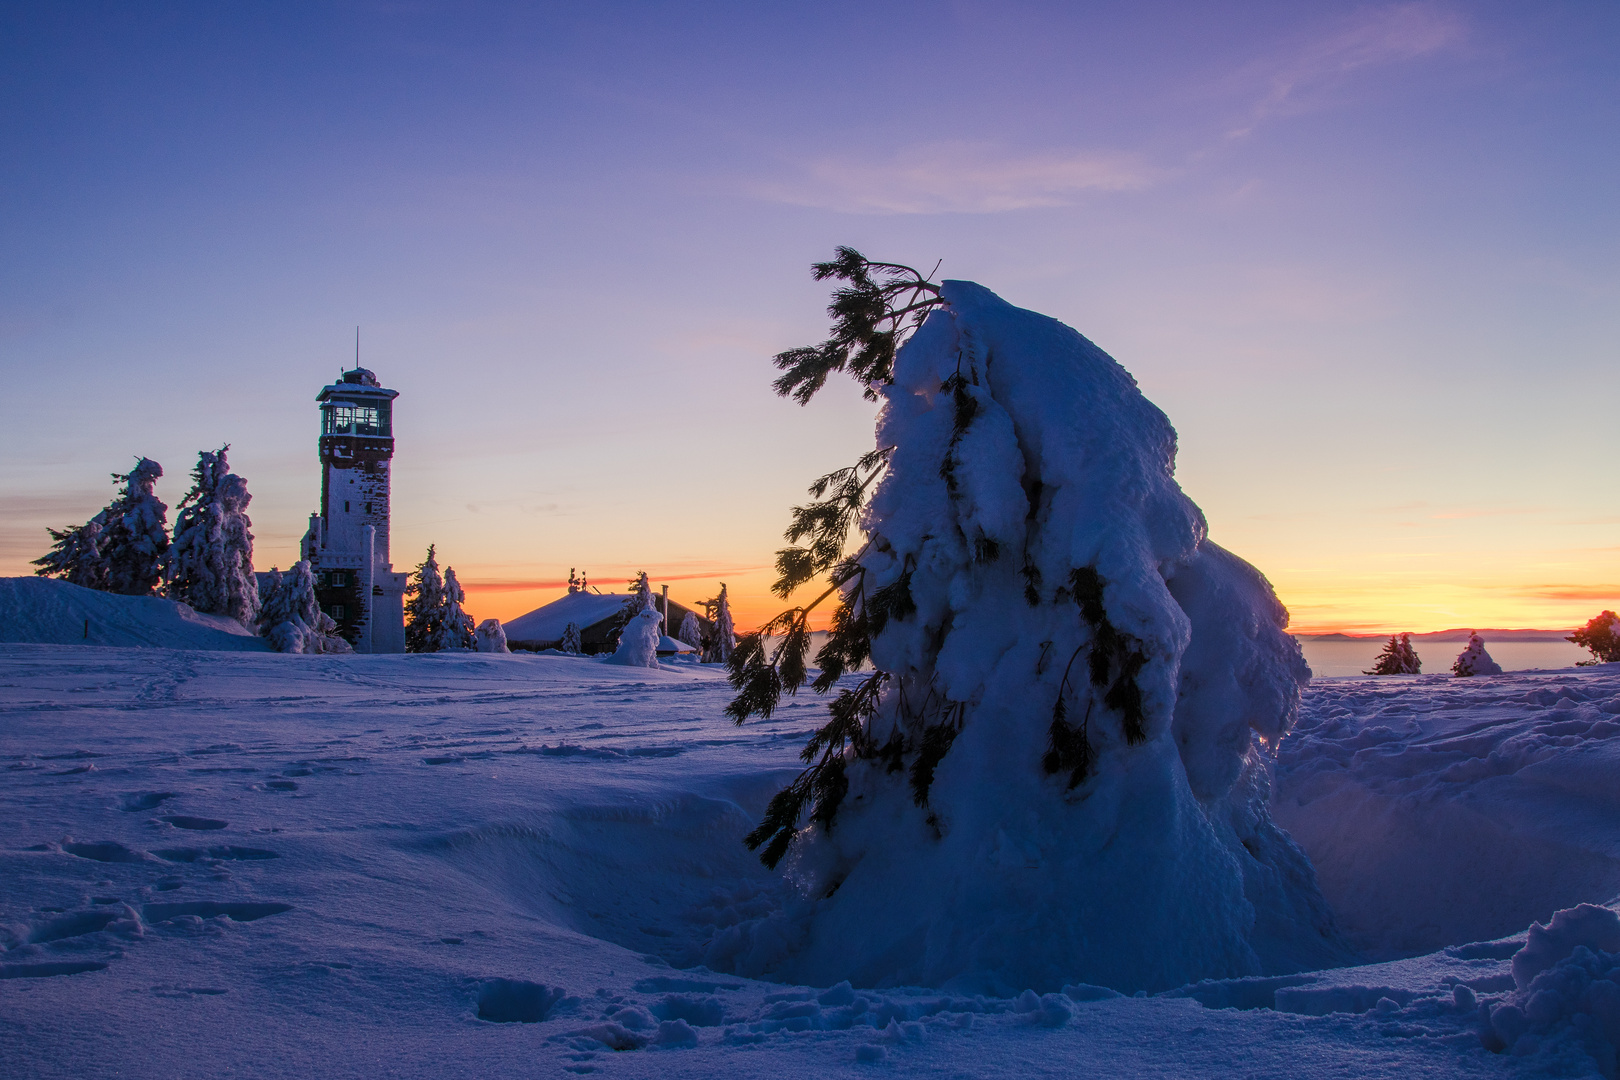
column 469, row 864
column 47, row 612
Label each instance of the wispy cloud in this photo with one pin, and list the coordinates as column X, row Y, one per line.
column 957, row 178
column 1294, row 80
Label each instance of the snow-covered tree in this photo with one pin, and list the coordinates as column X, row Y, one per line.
column 492, row 637
column 1057, row 770
column 570, row 643
column 1602, row 636
column 691, row 631
column 638, row 642
column 211, row 560
column 424, row 606
column 290, row 617
column 1474, row 660
column 722, row 637
column 641, row 596
column 1397, row 658
column 75, row 556
column 455, row 627
column 574, row 583
column 123, row 548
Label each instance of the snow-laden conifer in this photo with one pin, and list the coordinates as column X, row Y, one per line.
column 638, row 642
column 1397, row 658
column 1601, row 635
column 75, row 556
column 424, row 605
column 491, row 637
column 1058, row 768
column 1474, row 660
column 455, row 629
column 571, row 643
column 691, row 631
column 722, row 636
column 211, row 559
column 123, row 548
column 290, row 617
column 640, row 598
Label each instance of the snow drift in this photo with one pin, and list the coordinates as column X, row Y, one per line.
column 1047, row 555
column 46, row 612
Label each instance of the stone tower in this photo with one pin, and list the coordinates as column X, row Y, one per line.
column 347, row 541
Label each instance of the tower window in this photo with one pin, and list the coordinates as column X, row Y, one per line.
column 339, row 579
column 345, row 506
column 368, row 508
column 336, row 611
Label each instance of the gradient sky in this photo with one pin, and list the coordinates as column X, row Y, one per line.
column 1365, row 256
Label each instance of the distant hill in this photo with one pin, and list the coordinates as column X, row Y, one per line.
column 1454, row 635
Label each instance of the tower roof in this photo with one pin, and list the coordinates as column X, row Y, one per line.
column 357, row 384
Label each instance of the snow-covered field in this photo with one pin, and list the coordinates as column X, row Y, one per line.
column 217, row 863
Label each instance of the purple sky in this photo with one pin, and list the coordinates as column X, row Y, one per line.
column 1365, row 256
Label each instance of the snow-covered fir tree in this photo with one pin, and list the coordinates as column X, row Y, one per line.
column 1397, row 658
column 1474, row 660
column 691, row 631
column 455, row 627
column 722, row 638
column 290, row 617
column 211, row 559
column 638, row 642
column 1058, row 768
column 641, row 596
column 75, row 556
column 123, row 548
column 571, row 643
column 575, row 584
column 424, row 605
column 1602, row 636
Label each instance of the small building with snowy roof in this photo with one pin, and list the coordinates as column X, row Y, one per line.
column 599, row 616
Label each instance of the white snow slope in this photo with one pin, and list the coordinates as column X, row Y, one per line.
column 49, row 612
column 286, row 865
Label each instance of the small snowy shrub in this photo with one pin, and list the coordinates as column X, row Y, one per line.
column 492, row 637
column 1474, row 660
column 291, row 619
column 1602, row 636
column 211, row 560
column 123, row 548
column 570, row 643
column 1057, row 770
column 1398, row 658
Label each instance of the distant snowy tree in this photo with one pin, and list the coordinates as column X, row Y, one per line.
column 1061, row 751
column 570, row 643
column 211, row 560
column 123, row 548
column 491, row 637
column 290, row 617
column 574, row 584
column 1602, row 636
column 75, row 556
column 638, row 642
column 1398, row 658
column 722, row 637
column 455, row 630
column 1474, row 660
column 424, row 608
column 691, row 631
column 641, row 596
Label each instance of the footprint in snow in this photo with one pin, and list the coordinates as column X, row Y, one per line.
column 201, row 824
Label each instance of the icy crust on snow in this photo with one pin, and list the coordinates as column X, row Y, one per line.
column 1164, row 866
column 1439, row 810
column 45, row 612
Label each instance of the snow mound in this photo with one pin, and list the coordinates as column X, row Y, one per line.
column 1053, row 558
column 638, row 643
column 45, row 612
column 1566, row 1007
column 1442, row 810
